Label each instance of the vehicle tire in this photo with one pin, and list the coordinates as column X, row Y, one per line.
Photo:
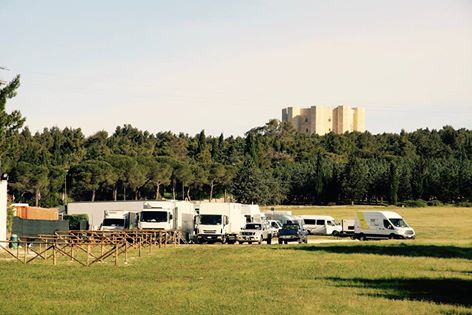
column 223, row 240
column 285, row 242
column 335, row 233
column 362, row 237
column 280, row 241
column 260, row 241
column 249, row 243
column 308, row 232
column 240, row 242
column 391, row 236
column 300, row 241
column 269, row 239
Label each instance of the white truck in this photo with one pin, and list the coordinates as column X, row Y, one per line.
column 219, row 222
column 381, row 224
column 321, row 224
column 168, row 215
column 252, row 213
column 115, row 220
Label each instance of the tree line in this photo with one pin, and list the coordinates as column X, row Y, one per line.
column 271, row 164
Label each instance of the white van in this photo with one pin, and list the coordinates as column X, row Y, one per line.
column 321, row 224
column 381, row 224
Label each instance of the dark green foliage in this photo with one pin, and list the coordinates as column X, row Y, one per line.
column 418, row 203
column 271, row 164
column 75, row 220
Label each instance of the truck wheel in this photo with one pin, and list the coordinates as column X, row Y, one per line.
column 391, row 236
column 285, row 242
column 249, row 243
column 362, row 237
column 269, row 239
column 280, row 241
column 335, row 233
column 241, row 242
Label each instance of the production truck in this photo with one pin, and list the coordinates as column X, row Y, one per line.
column 115, row 220
column 168, row 215
column 219, row 222
column 381, row 224
column 252, row 213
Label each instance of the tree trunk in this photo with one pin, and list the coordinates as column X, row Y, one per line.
column 188, row 194
column 136, row 194
column 173, row 192
column 115, row 193
column 158, row 195
column 183, row 191
column 211, row 190
column 93, row 195
column 37, row 196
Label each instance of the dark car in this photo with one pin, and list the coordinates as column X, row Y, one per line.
column 292, row 232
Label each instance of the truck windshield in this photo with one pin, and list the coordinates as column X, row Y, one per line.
column 114, row 222
column 154, row 216
column 210, row 219
column 253, row 226
column 398, row 222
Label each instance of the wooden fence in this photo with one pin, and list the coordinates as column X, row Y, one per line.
column 89, row 247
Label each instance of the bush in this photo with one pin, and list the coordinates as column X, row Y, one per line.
column 435, row 203
column 75, row 220
column 466, row 204
column 418, row 203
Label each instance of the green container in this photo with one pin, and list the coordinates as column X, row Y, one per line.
column 14, row 241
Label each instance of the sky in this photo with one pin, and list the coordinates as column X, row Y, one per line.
column 229, row 66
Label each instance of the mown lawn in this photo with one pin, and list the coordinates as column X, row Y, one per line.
column 430, row 275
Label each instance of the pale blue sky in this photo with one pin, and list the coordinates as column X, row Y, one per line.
column 228, row 66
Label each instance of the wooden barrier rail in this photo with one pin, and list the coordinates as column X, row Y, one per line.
column 89, row 247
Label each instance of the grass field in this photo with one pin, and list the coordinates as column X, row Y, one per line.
column 429, row 275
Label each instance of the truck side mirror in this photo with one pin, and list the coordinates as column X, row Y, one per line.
column 170, row 216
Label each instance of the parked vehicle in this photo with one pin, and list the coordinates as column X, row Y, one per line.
column 115, row 220
column 219, row 222
column 347, row 227
column 293, row 232
column 282, row 216
column 168, row 215
column 381, row 224
column 252, row 213
column 321, row 224
column 274, row 227
column 255, row 232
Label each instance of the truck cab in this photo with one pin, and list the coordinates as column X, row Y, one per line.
column 157, row 215
column 219, row 222
column 115, row 220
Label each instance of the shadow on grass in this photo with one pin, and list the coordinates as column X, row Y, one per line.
column 394, row 250
column 444, row 291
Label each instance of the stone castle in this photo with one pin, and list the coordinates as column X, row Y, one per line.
column 323, row 119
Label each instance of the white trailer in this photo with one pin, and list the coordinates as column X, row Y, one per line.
column 96, row 210
column 168, row 215
column 219, row 222
column 381, row 224
column 252, row 213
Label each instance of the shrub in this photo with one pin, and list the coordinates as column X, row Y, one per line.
column 435, row 203
column 75, row 221
column 466, row 204
column 418, row 203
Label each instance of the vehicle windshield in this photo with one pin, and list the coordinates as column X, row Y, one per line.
column 253, row 226
column 154, row 216
column 210, row 219
column 114, row 222
column 291, row 227
column 398, row 222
